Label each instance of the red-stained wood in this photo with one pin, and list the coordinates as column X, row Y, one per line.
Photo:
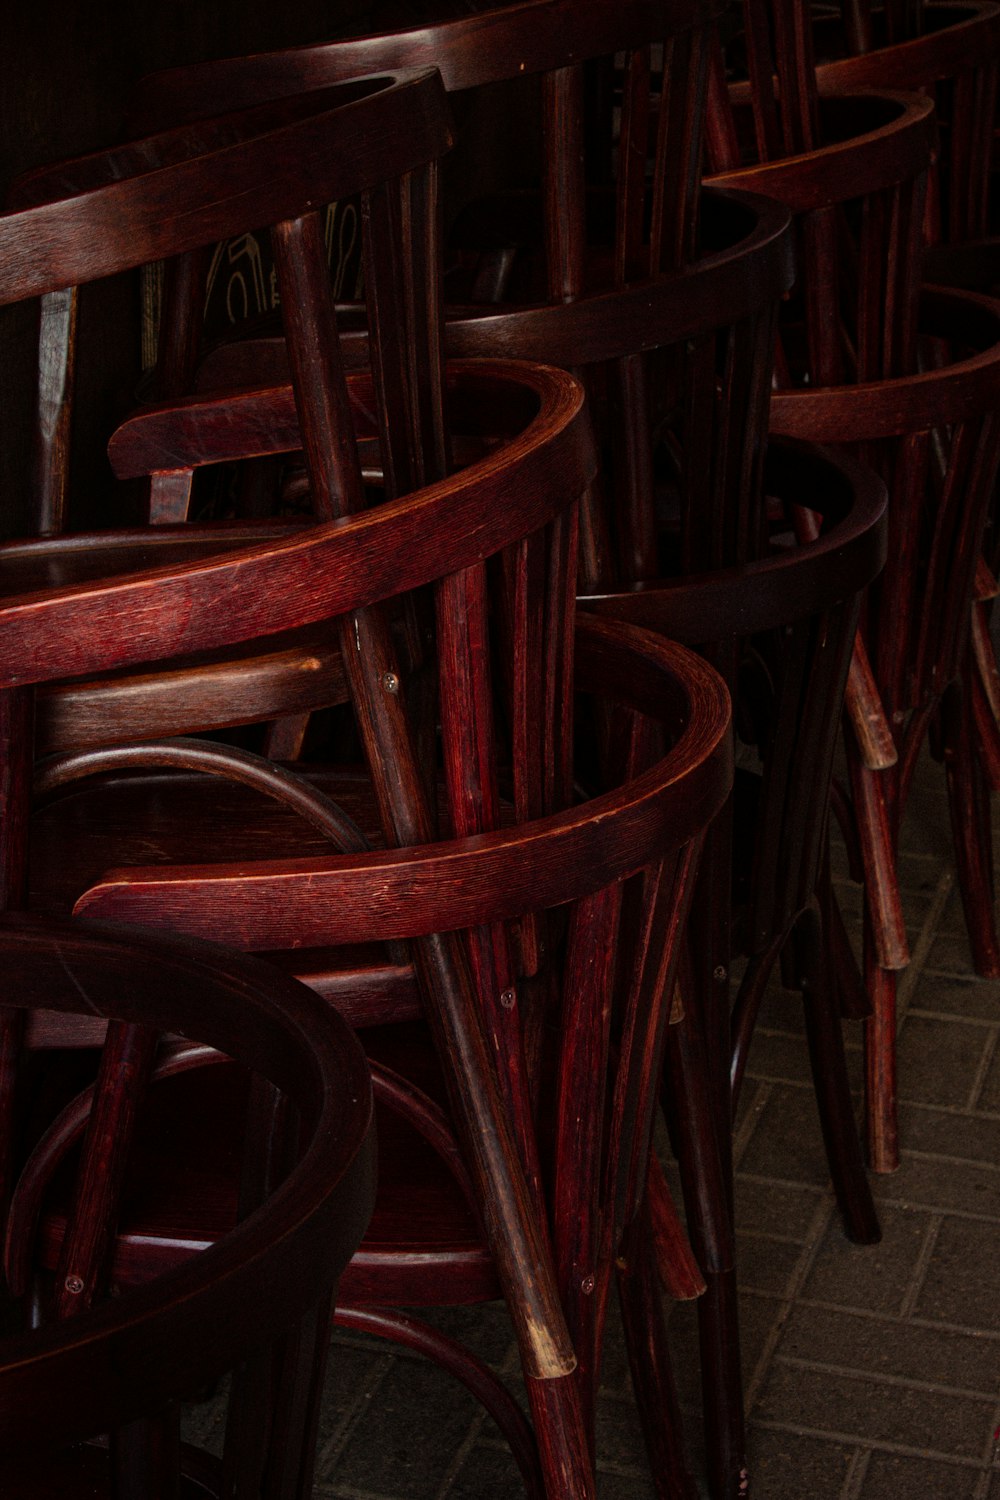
column 121, row 1365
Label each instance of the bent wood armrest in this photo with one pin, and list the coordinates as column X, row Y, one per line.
column 486, row 878
column 49, row 631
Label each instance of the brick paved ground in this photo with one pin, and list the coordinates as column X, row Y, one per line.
column 871, row 1372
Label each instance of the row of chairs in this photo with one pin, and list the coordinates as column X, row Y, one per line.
column 493, row 832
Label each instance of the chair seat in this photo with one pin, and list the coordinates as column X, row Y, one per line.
column 287, row 674
column 171, row 818
column 422, row 1245
column 84, row 557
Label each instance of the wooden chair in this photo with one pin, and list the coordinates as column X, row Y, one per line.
column 954, row 57
column 783, row 625
column 933, row 437
column 76, row 606
column 398, row 129
column 591, row 1020
column 568, row 95
column 121, row 1367
column 231, row 594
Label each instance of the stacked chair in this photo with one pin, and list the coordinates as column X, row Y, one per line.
column 671, row 324
column 952, row 52
column 434, row 711
column 869, row 363
column 482, row 562
column 120, row 1369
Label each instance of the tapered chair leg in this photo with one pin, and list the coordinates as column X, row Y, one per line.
column 832, row 1085
column 705, row 1173
column 882, row 1123
column 649, row 1362
column 969, row 806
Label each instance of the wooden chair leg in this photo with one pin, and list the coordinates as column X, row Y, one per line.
column 882, row 1124
column 969, row 806
column 706, row 1177
column 562, row 1437
column 830, row 1080
column 649, row 1362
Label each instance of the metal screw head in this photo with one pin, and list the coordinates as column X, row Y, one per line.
column 587, row 1284
column 74, row 1284
column 507, row 998
column 719, row 973
column 390, row 682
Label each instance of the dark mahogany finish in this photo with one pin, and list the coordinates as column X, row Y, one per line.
column 609, row 959
column 934, row 438
column 783, row 628
column 955, row 57
column 122, row 1366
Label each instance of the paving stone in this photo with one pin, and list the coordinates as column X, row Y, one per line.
column 405, row 1441
column 758, row 1317
column 618, row 1487
column 782, row 1010
column 949, row 954
column 989, row 1096
column 784, row 1465
column 487, row 1470
column 486, row 1328
column 786, row 1142
column 619, row 1434
column 766, row 1265
column 351, row 1375
column 970, row 997
column 961, row 1285
column 775, row 1206
column 891, row 1475
column 874, row 1278
column 777, row 1055
column 938, row 1061
column 883, row 1413
column 940, row 1132
column 927, row 1182
column 880, row 1346
column 919, row 872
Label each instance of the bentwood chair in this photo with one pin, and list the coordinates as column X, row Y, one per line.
column 555, row 66
column 615, row 874
column 92, row 1386
column 377, row 138
column 954, row 55
column 185, row 589
column 933, row 437
column 784, row 624
column 531, row 615
column 854, row 169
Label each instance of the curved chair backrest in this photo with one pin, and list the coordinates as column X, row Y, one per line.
column 613, row 945
column 127, row 1359
column 577, row 860
column 933, row 436
column 552, row 38
column 809, row 596
column 175, row 194
column 680, row 370
column 859, row 272
column 853, row 168
column 605, row 220
column 956, row 58
column 221, row 584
